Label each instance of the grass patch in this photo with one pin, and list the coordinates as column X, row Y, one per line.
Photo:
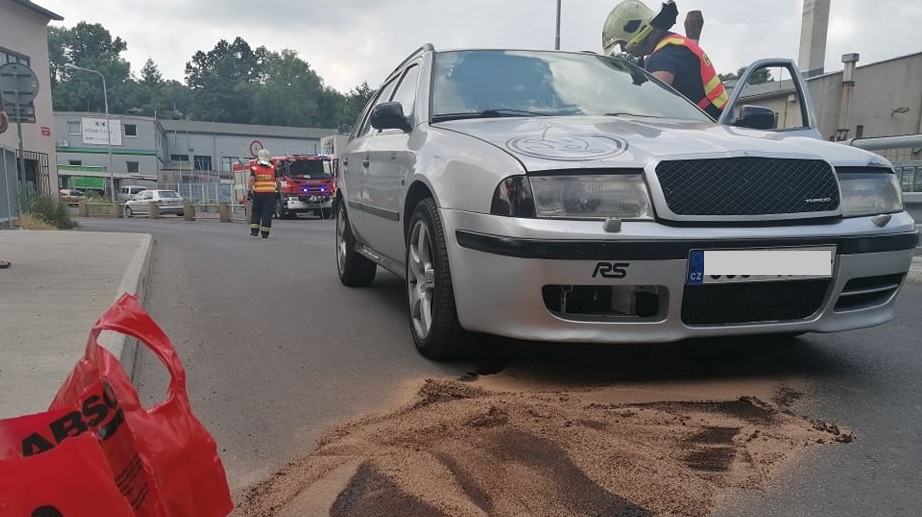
column 30, row 221
column 49, row 210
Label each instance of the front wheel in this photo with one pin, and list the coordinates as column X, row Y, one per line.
column 354, row 269
column 434, row 324
column 128, row 211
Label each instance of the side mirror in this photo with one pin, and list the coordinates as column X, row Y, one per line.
column 389, row 115
column 755, row 117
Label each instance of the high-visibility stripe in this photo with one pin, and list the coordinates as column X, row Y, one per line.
column 714, row 91
column 265, row 178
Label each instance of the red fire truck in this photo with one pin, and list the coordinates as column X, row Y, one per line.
column 307, row 185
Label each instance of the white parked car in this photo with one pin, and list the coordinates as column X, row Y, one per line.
column 572, row 197
column 169, row 201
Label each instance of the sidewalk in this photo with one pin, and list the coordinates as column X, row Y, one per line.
column 60, row 283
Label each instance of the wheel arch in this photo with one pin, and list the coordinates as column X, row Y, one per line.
column 416, row 193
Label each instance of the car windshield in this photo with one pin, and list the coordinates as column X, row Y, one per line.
column 309, row 169
column 496, row 83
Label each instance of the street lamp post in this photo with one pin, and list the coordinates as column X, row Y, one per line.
column 105, row 97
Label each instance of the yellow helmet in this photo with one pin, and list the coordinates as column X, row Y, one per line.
column 628, row 22
column 263, row 156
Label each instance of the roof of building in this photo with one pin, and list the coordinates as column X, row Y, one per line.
column 39, row 9
column 223, row 128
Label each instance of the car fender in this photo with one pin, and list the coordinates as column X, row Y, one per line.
column 468, row 183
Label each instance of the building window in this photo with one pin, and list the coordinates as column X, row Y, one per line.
column 179, row 157
column 227, row 163
column 859, row 131
column 74, row 128
column 8, row 56
column 133, row 166
column 75, row 162
column 202, row 163
column 131, row 130
column 26, row 111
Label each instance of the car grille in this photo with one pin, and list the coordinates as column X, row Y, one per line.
column 752, row 302
column 748, row 186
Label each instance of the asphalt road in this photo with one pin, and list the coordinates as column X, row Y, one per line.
column 277, row 351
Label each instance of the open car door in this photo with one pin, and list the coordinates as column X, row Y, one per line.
column 771, row 94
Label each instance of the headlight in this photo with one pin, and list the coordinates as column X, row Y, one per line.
column 870, row 193
column 622, row 196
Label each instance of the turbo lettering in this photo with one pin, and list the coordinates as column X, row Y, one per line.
column 95, row 411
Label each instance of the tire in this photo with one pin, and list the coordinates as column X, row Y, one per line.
column 326, row 213
column 354, row 269
column 128, row 212
column 433, row 316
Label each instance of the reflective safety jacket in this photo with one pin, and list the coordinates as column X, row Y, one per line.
column 714, row 92
column 265, row 178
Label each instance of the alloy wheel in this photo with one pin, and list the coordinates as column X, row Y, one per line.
column 420, row 279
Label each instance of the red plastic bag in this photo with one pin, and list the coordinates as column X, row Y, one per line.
column 160, row 462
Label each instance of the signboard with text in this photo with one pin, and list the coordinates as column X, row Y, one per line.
column 94, row 131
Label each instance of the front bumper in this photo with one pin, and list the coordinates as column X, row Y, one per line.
column 510, row 286
column 306, row 203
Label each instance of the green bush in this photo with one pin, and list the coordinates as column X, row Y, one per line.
column 50, row 209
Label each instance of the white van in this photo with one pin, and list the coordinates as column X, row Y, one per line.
column 125, row 193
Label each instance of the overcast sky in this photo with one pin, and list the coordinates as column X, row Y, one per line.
column 350, row 41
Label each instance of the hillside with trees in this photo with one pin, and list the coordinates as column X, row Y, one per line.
column 232, row 82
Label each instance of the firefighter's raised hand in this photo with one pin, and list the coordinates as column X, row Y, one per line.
column 694, row 22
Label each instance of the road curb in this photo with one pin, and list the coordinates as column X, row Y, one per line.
column 135, row 280
column 915, row 270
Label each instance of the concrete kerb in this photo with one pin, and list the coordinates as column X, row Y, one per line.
column 915, row 270
column 135, row 280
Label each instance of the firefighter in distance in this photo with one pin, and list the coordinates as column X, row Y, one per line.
column 263, row 185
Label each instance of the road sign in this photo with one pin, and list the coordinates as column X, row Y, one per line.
column 18, row 87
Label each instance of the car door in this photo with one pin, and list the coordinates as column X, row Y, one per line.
column 141, row 202
column 385, row 182
column 357, row 162
column 772, row 88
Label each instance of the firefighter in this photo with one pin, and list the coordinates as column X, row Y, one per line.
column 670, row 57
column 263, row 185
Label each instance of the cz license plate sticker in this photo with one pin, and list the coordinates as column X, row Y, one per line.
column 759, row 265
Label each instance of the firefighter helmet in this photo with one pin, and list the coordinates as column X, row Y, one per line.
column 263, row 156
column 626, row 24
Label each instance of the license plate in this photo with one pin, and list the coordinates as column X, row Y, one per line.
column 760, row 265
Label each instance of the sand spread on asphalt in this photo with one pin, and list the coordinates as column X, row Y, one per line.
column 497, row 447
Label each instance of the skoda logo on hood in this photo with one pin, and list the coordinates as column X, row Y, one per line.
column 567, row 147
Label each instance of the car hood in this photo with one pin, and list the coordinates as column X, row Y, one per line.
column 548, row 143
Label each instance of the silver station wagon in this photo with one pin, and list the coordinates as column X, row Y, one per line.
column 571, row 197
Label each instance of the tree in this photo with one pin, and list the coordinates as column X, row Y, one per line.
column 88, row 46
column 761, row 76
column 219, row 80
column 289, row 92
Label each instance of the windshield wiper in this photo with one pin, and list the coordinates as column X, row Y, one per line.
column 490, row 113
column 624, row 113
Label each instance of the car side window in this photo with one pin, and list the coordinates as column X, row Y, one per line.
column 383, row 96
column 406, row 91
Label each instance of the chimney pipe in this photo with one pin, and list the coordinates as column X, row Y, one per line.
column 813, row 31
column 848, row 84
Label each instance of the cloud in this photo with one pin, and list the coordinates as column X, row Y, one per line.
column 351, row 41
